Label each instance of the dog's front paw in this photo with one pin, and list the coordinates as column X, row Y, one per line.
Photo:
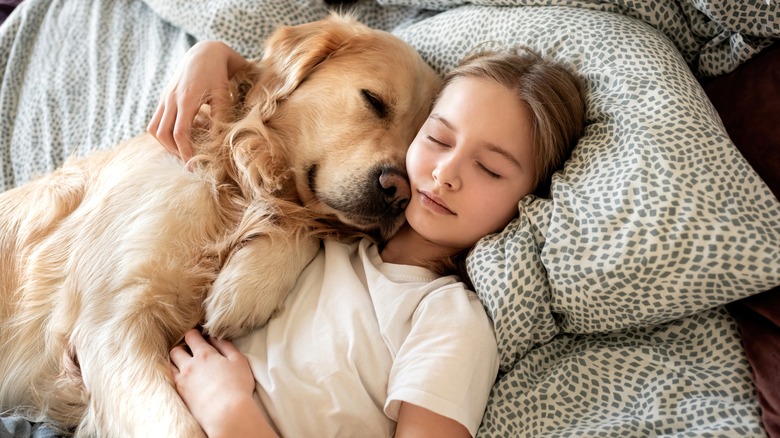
column 253, row 284
column 236, row 306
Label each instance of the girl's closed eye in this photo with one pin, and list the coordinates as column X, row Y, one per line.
column 435, row 140
column 489, row 172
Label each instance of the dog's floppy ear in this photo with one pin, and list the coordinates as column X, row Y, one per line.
column 291, row 53
column 254, row 161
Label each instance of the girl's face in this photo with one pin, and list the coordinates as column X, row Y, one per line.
column 470, row 164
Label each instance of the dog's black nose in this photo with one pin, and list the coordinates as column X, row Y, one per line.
column 394, row 187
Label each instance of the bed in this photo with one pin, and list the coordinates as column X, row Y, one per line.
column 637, row 300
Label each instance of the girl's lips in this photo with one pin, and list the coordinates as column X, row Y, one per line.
column 434, row 203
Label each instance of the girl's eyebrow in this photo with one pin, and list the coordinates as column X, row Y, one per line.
column 436, row 116
column 490, row 146
column 504, row 153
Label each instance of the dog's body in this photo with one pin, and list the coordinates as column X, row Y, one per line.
column 107, row 262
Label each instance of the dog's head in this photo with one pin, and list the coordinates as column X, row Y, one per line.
column 341, row 103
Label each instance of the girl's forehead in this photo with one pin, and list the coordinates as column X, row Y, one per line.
column 467, row 99
column 476, row 90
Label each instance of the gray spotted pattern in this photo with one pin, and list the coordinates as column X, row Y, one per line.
column 607, row 297
column 713, row 36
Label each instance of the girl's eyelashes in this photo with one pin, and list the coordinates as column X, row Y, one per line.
column 434, row 140
column 488, row 171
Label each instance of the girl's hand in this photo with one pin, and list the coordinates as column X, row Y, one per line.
column 205, row 71
column 216, row 384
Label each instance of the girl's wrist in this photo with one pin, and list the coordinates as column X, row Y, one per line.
column 215, row 51
column 232, row 59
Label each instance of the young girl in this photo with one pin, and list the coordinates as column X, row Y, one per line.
column 373, row 340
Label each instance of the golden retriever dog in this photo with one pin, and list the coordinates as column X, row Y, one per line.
column 108, row 261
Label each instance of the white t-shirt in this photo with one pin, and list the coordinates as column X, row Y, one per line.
column 358, row 336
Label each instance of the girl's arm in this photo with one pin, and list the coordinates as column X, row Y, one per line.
column 458, row 376
column 216, row 384
column 206, row 69
column 415, row 421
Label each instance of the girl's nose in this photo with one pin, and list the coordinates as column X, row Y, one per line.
column 446, row 173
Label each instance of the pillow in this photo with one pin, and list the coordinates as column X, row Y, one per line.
column 656, row 215
column 714, row 36
column 243, row 24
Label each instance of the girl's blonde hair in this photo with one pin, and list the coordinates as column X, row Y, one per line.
column 553, row 94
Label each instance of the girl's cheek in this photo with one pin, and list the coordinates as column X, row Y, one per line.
column 503, row 204
column 415, row 161
column 412, row 155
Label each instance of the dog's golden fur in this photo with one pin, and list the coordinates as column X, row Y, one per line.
column 108, row 261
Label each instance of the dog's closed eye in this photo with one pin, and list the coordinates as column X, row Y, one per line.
column 376, row 104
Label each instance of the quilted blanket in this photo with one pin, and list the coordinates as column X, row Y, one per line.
column 607, row 298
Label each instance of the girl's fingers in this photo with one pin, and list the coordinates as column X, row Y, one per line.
column 159, row 116
column 167, row 123
column 178, row 356
column 225, row 347
column 195, row 340
column 154, row 123
column 181, row 130
column 174, row 371
column 172, row 122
